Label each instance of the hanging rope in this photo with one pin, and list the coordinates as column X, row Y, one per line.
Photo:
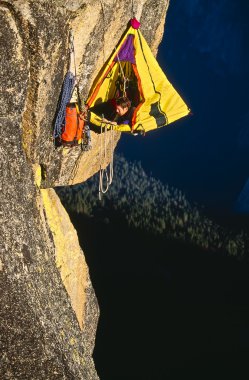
column 112, row 155
column 104, row 28
column 132, row 9
column 72, row 53
column 73, row 62
column 125, row 80
column 103, row 173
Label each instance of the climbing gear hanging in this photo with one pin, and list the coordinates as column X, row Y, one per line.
column 66, row 94
column 70, row 127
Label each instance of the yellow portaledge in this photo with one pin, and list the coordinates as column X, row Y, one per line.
column 157, row 103
column 97, row 120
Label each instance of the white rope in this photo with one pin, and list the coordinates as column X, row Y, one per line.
column 104, row 29
column 72, row 53
column 121, row 68
column 103, row 173
column 133, row 12
column 112, row 154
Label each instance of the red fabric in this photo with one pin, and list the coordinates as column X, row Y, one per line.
column 135, row 23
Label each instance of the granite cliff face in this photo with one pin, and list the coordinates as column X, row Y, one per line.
column 49, row 310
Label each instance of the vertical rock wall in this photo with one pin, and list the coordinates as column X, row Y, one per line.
column 49, row 311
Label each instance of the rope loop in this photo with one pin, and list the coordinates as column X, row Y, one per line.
column 103, row 173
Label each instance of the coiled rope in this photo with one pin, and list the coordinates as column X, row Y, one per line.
column 105, row 175
column 66, row 94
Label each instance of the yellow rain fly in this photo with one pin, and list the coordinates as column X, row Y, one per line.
column 133, row 71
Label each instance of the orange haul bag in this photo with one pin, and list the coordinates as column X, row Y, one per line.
column 72, row 130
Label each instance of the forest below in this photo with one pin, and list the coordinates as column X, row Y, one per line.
column 148, row 205
column 172, row 284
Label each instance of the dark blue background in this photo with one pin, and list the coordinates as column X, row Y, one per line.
column 204, row 54
column 168, row 309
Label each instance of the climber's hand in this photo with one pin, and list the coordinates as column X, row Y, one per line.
column 109, row 122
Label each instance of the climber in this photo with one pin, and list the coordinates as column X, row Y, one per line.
column 114, row 111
